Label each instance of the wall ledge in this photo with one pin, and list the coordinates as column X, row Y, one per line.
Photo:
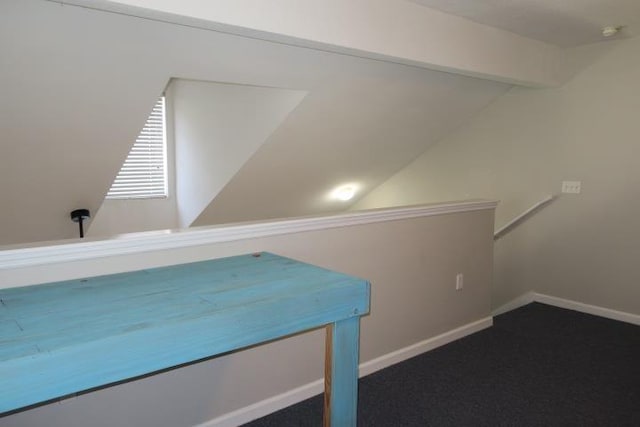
column 91, row 248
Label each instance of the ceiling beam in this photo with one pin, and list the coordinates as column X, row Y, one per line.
column 391, row 30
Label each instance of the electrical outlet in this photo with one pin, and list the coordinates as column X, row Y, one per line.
column 572, row 187
column 459, row 281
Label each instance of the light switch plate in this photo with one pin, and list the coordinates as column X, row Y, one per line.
column 572, row 187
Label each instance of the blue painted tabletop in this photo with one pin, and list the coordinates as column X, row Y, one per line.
column 60, row 339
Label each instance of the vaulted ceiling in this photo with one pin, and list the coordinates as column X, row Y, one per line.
column 78, row 82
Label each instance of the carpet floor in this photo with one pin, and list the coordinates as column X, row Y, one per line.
column 537, row 366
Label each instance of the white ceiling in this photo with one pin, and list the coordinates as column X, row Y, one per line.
column 565, row 23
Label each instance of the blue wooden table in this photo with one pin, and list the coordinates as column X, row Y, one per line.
column 61, row 339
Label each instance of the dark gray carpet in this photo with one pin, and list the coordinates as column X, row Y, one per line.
column 537, row 366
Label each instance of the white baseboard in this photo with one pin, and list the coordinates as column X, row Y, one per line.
column 275, row 403
column 267, row 406
column 568, row 304
column 405, row 353
column 589, row 309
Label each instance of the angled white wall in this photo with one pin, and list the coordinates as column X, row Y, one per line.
column 217, row 128
column 353, row 128
column 581, row 247
column 75, row 94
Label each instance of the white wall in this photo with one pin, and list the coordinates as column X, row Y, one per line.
column 217, row 128
column 519, row 149
column 411, row 264
column 117, row 216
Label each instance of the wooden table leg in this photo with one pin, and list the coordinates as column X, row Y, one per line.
column 341, row 373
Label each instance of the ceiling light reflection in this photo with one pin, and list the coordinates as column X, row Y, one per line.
column 344, row 192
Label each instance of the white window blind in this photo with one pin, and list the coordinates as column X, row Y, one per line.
column 144, row 172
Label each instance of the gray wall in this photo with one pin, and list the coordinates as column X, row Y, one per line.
column 519, row 149
column 411, row 263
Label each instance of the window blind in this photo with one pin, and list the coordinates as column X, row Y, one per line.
column 144, row 172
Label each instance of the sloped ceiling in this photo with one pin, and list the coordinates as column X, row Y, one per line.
column 78, row 84
column 217, row 128
column 360, row 126
column 566, row 23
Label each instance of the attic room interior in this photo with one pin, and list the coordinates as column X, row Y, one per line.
column 445, row 120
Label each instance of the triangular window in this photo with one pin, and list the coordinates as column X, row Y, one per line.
column 144, row 173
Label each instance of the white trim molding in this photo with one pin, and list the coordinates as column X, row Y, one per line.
column 74, row 250
column 530, row 297
column 424, row 346
column 291, row 397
